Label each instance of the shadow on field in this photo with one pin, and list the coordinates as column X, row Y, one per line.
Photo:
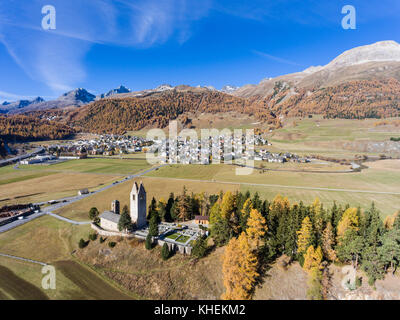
column 92, row 287
column 18, row 288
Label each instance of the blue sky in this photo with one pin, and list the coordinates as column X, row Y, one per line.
column 100, row 44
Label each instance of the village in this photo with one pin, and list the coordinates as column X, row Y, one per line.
column 213, row 149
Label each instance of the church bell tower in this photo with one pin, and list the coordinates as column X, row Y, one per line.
column 138, row 205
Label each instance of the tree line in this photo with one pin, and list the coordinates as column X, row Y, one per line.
column 256, row 232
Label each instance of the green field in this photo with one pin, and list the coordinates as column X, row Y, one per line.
column 382, row 176
column 94, row 165
column 329, row 137
column 38, row 183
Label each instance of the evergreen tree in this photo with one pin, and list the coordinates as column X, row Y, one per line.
column 257, row 203
column 165, row 252
column 350, row 247
column 200, row 248
column 162, row 210
column 149, row 242
column 125, row 221
column 168, row 208
column 221, row 231
column 372, row 264
column 94, row 215
column 390, row 250
column 153, row 226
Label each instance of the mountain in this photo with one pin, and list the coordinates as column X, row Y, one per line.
column 74, row 98
column 7, row 107
column 363, row 82
column 378, row 61
column 121, row 89
column 77, row 97
column 229, row 89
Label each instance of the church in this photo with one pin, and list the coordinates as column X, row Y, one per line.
column 138, row 210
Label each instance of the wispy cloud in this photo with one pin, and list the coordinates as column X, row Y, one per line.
column 56, row 57
column 7, row 96
column 277, row 59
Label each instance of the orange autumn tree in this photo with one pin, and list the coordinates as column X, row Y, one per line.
column 349, row 221
column 239, row 269
column 304, row 235
column 313, row 259
column 256, row 228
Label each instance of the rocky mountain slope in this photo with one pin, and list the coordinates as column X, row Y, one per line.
column 7, row 107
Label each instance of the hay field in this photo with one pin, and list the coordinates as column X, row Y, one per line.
column 51, row 187
column 155, row 187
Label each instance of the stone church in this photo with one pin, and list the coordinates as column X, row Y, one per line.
column 138, row 210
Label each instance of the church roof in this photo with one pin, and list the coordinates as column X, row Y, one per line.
column 110, row 216
column 138, row 189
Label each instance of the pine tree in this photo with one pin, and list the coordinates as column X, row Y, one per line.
column 125, row 221
column 165, row 252
column 350, row 247
column 162, row 210
column 168, row 208
column 153, row 226
column 200, row 248
column 149, row 242
column 390, row 250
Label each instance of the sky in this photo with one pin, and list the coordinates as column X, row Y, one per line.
column 101, row 44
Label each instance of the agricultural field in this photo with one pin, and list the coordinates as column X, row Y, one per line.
column 337, row 138
column 38, row 183
column 155, row 187
column 51, row 241
column 379, row 183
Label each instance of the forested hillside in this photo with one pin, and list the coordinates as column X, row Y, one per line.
column 352, row 100
column 119, row 115
column 22, row 128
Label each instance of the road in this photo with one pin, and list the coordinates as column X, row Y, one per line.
column 67, row 201
column 21, row 157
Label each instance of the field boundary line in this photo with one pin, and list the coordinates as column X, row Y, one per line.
column 22, row 259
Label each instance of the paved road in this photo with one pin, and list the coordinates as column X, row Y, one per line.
column 21, row 157
column 67, row 201
column 285, row 186
column 22, row 259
